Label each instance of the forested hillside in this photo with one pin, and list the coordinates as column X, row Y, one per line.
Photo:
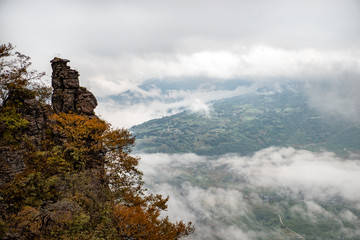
column 65, row 173
column 248, row 123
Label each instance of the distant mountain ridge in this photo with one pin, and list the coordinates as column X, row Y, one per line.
column 247, row 123
column 165, row 88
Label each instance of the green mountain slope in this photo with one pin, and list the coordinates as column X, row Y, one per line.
column 245, row 124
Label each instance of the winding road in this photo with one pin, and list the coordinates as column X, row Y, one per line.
column 299, row 236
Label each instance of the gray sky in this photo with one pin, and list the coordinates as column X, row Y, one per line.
column 117, row 45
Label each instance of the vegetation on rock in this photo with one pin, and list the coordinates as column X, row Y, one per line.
column 68, row 175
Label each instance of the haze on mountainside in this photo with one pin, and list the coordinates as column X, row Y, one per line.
column 147, row 60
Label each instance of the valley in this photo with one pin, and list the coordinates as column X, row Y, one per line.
column 248, row 168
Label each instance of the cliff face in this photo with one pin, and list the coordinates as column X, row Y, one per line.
column 12, row 159
column 68, row 96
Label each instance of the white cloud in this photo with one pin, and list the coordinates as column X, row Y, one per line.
column 338, row 70
column 332, row 80
column 199, row 106
column 316, row 174
column 337, row 97
column 348, row 216
column 224, row 211
column 257, row 62
column 157, row 104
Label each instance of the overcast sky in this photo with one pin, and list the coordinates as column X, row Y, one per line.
column 117, row 45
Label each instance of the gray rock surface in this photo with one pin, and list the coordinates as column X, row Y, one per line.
column 68, row 96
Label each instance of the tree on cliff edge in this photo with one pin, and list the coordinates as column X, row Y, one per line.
column 68, row 174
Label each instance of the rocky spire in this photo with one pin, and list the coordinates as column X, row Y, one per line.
column 68, row 96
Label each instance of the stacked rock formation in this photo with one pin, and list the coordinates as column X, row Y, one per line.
column 68, row 96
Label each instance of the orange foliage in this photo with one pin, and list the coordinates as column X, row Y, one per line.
column 26, row 223
column 137, row 222
column 80, row 131
column 136, row 215
column 82, row 182
column 82, row 137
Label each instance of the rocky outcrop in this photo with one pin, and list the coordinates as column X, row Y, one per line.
column 12, row 158
column 37, row 115
column 11, row 163
column 68, row 96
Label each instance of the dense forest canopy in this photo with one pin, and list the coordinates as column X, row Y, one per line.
column 68, row 175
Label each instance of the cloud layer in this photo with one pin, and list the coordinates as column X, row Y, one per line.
column 259, row 63
column 118, row 45
column 221, row 194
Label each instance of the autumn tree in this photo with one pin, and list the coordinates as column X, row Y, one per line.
column 17, row 81
column 81, row 181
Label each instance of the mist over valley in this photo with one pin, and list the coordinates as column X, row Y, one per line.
column 246, row 113
column 262, row 165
